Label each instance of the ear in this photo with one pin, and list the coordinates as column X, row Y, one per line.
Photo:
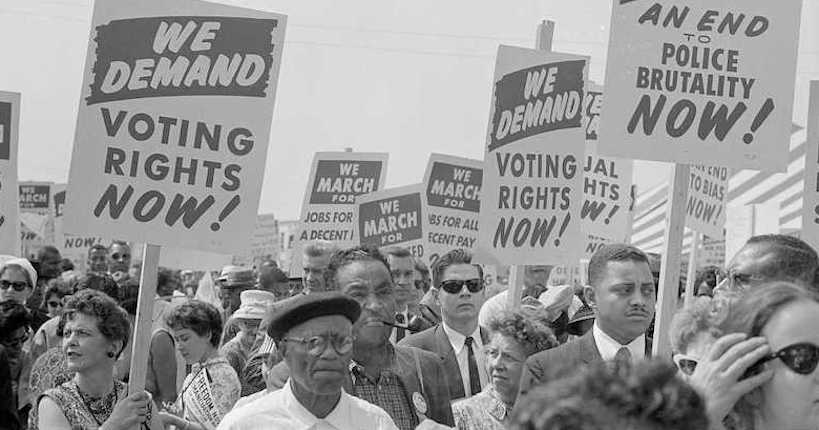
column 118, row 346
column 589, row 294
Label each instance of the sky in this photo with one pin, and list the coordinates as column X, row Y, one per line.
column 404, row 77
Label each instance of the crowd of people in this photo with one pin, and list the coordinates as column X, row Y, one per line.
column 374, row 339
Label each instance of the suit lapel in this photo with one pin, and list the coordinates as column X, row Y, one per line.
column 450, row 361
column 588, row 348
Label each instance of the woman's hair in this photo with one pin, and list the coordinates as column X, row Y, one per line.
column 613, row 395
column 749, row 315
column 532, row 335
column 58, row 287
column 701, row 316
column 102, row 282
column 112, row 321
column 201, row 317
column 13, row 315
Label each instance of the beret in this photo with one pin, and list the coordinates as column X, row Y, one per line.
column 296, row 310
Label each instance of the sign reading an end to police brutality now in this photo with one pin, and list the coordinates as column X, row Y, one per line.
column 174, row 123
column 337, row 180
column 452, row 192
column 810, row 206
column 393, row 217
column 701, row 82
column 533, row 173
column 9, row 215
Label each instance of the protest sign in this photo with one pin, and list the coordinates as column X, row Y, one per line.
column 393, row 217
column 532, row 190
column 36, row 217
column 701, row 82
column 607, row 202
column 329, row 208
column 9, row 218
column 74, row 248
column 810, row 205
column 707, row 197
column 174, row 122
column 452, row 187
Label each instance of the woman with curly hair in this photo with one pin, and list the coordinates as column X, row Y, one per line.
column 95, row 333
column 212, row 387
column 514, row 336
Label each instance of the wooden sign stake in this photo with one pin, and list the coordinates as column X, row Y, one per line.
column 144, row 316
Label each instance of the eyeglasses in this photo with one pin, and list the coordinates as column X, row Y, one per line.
column 742, row 280
column 54, row 303
column 18, row 286
column 685, row 363
column 454, row 286
column 802, row 358
column 120, row 257
column 317, row 344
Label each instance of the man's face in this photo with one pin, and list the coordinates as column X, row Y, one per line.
column 752, row 266
column 323, row 373
column 231, row 298
column 314, row 268
column 370, row 284
column 403, row 276
column 624, row 300
column 464, row 305
column 535, row 280
column 50, row 265
column 98, row 260
column 119, row 258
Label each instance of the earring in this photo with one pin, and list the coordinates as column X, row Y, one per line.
column 111, row 354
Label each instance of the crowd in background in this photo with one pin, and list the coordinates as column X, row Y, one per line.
column 373, row 338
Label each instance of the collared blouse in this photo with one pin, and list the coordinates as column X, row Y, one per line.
column 483, row 411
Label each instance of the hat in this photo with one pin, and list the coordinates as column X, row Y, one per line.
column 254, row 304
column 584, row 313
column 24, row 264
column 557, row 298
column 233, row 276
column 302, row 308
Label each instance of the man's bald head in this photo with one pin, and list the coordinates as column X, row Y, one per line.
column 775, row 257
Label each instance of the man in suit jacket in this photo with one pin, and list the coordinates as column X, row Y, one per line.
column 406, row 382
column 402, row 269
column 458, row 340
column 622, row 294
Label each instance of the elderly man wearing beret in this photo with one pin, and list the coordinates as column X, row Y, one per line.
column 314, row 334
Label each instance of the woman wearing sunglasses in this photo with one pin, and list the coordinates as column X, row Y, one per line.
column 787, row 317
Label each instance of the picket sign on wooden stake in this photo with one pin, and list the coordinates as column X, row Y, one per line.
column 691, row 277
column 543, row 42
column 671, row 259
column 144, row 316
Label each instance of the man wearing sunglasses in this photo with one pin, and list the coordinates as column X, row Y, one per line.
column 314, row 334
column 622, row 294
column 771, row 257
column 458, row 340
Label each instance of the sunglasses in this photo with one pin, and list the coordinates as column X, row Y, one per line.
column 120, row 257
column 454, row 286
column 316, row 345
column 802, row 358
column 685, row 363
column 54, row 303
column 18, row 286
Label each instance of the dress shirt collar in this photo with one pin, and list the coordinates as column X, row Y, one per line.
column 340, row 417
column 608, row 347
column 457, row 339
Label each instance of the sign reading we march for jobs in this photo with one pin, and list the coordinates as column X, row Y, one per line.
column 533, row 175
column 393, row 217
column 701, row 82
column 452, row 189
column 174, row 123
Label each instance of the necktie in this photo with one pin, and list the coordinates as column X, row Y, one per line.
column 400, row 332
column 623, row 355
column 474, row 378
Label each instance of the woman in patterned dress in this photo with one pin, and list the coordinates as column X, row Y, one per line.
column 96, row 331
column 513, row 337
column 212, row 387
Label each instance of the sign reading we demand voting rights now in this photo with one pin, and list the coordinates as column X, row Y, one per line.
column 174, row 123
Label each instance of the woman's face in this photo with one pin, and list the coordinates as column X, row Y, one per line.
column 504, row 360
column 54, row 305
column 85, row 346
column 790, row 400
column 10, row 282
column 191, row 346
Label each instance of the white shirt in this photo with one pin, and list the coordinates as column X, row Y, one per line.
column 281, row 410
column 608, row 347
column 457, row 341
